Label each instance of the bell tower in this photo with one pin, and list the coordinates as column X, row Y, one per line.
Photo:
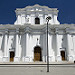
column 36, row 15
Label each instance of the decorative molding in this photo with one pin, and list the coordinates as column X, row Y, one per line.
column 17, row 30
column 61, row 29
column 6, row 31
column 37, row 6
column 56, row 30
column 67, row 30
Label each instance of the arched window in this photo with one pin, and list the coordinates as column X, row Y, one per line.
column 37, row 20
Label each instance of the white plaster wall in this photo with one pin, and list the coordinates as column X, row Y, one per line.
column 55, row 20
column 51, row 51
column 51, row 21
column 1, row 52
column 73, row 47
column 31, row 42
column 20, row 48
column 0, row 41
column 70, row 52
column 60, row 41
column 23, row 18
column 30, row 19
column 18, row 20
column 54, row 43
column 41, row 19
column 10, row 42
column 44, row 49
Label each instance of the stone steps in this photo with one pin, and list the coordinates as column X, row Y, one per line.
column 62, row 62
column 36, row 64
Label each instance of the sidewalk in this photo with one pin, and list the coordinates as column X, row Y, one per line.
column 61, row 62
column 36, row 64
column 37, row 68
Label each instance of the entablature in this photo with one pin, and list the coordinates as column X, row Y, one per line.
column 53, row 29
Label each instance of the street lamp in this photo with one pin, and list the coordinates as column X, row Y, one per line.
column 48, row 18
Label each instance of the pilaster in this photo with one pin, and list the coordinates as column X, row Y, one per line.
column 17, row 58
column 69, row 57
column 58, row 56
column 41, row 19
column 26, row 34
column 5, row 57
column 74, row 47
column 32, row 19
column 1, row 53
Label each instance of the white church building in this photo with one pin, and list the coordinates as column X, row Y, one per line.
column 26, row 40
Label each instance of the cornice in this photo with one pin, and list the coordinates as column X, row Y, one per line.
column 60, row 29
column 36, row 5
column 33, row 12
column 24, row 10
column 59, row 26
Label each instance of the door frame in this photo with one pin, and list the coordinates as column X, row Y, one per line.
column 12, row 50
column 64, row 54
column 40, row 53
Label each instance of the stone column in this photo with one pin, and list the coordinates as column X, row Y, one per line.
column 1, row 53
column 68, row 44
column 74, row 47
column 32, row 19
column 16, row 59
column 58, row 56
column 41, row 19
column 0, row 40
column 24, row 46
column 27, row 58
column 5, row 57
column 44, row 50
column 23, row 18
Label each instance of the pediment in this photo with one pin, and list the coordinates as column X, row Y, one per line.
column 36, row 8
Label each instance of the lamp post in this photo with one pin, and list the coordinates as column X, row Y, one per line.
column 48, row 18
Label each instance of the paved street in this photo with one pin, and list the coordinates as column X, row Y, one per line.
column 40, row 70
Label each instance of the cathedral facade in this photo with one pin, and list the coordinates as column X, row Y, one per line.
column 26, row 39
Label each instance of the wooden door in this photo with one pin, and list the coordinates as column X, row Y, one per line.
column 63, row 55
column 37, row 54
column 37, row 20
column 11, row 56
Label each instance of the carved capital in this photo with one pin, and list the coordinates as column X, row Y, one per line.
column 56, row 30
column 6, row 31
column 17, row 30
column 67, row 30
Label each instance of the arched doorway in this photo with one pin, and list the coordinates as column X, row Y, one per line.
column 12, row 56
column 37, row 54
column 63, row 55
column 37, row 20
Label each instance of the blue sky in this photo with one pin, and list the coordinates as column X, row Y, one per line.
column 66, row 9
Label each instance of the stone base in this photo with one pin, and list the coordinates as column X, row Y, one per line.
column 16, row 59
column 23, row 59
column 5, row 59
column 70, row 58
column 58, row 58
column 44, row 58
column 0, row 59
column 28, row 59
column 51, row 58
